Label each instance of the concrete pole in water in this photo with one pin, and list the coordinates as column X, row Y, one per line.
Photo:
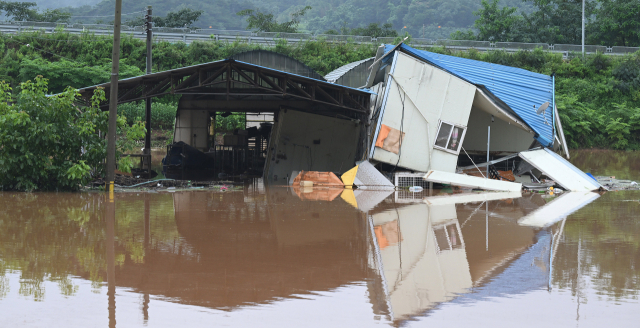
column 113, row 98
column 147, row 138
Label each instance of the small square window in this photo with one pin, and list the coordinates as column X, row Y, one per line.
column 449, row 137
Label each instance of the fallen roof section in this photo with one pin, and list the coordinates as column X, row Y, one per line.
column 560, row 170
column 518, row 90
column 471, row 181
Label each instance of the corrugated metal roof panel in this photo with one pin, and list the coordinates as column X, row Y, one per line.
column 521, row 90
column 334, row 75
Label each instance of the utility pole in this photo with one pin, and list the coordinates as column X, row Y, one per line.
column 583, row 28
column 147, row 138
column 113, row 99
column 148, row 27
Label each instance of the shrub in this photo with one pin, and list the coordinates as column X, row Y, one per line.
column 48, row 143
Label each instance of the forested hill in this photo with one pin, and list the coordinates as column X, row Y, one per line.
column 433, row 18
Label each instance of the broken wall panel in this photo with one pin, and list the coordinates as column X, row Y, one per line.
column 310, row 142
column 417, row 97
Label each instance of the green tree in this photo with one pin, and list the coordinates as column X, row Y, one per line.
column 27, row 11
column 18, row 11
column 184, row 17
column 555, row 21
column 617, row 23
column 266, row 22
column 496, row 24
column 373, row 30
column 49, row 143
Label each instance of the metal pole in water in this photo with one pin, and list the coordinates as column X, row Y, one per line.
column 113, row 98
column 488, row 143
column 486, row 228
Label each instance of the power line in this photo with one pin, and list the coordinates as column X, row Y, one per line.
column 68, row 40
column 135, row 12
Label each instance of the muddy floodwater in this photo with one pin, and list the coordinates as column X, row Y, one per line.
column 298, row 258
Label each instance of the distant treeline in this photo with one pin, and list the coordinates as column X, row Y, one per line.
column 608, row 22
column 598, row 96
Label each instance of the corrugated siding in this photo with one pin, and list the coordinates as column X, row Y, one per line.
column 523, row 91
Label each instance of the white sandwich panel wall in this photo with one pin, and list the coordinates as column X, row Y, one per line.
column 419, row 95
column 505, row 137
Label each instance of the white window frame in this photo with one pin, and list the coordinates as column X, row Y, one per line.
column 464, row 132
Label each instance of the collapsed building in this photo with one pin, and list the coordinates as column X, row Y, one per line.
column 405, row 110
column 433, row 113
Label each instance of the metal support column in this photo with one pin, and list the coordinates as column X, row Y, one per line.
column 488, row 144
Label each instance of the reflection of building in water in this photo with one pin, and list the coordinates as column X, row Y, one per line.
column 245, row 248
column 432, row 252
column 272, row 246
column 419, row 252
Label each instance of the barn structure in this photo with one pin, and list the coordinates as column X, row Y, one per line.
column 309, row 124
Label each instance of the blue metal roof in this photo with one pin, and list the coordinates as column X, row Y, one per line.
column 521, row 90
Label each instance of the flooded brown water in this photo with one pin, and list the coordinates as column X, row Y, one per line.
column 277, row 257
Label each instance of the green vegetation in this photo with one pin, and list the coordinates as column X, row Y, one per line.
column 84, row 60
column 372, row 30
column 27, row 11
column 265, row 22
column 431, row 18
column 184, row 17
column 609, row 22
column 163, row 115
column 598, row 96
column 227, row 122
column 48, row 143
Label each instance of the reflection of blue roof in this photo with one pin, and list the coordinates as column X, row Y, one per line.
column 521, row 90
column 521, row 276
